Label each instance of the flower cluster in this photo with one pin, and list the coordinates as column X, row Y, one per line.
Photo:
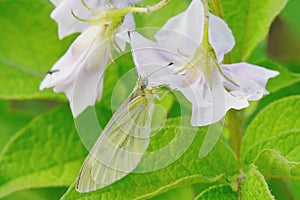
column 187, row 56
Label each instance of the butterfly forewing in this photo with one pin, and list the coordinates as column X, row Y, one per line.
column 121, row 145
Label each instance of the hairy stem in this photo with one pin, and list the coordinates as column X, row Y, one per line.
column 235, row 126
column 149, row 9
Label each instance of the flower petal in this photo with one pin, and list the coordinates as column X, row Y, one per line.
column 64, row 68
column 221, row 102
column 88, row 87
column 134, row 1
column 67, row 24
column 80, row 70
column 220, row 37
column 251, row 80
column 197, row 93
column 183, row 32
column 119, row 3
column 152, row 61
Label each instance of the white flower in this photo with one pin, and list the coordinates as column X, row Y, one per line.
column 79, row 73
column 183, row 61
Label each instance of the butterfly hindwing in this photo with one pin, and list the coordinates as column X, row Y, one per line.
column 121, row 145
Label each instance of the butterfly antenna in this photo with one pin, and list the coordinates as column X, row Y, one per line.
column 157, row 70
column 53, row 71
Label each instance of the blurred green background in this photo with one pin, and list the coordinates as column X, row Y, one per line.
column 21, row 28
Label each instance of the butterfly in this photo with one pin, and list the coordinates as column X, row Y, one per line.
column 124, row 140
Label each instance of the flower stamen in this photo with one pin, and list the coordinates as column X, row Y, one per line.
column 90, row 9
column 78, row 18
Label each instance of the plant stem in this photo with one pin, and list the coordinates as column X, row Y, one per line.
column 206, row 21
column 235, row 126
column 235, row 122
column 217, row 10
column 215, row 4
column 149, row 9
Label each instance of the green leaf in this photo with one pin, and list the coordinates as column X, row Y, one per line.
column 180, row 193
column 40, row 194
column 260, row 53
column 153, row 21
column 250, row 22
column 45, row 153
column 279, row 117
column 281, row 188
column 254, row 186
column 291, row 14
column 218, row 192
column 287, row 143
column 272, row 142
column 185, row 171
column 294, row 186
column 16, row 114
column 10, row 121
column 29, row 47
column 273, row 164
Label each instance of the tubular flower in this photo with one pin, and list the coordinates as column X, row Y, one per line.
column 103, row 26
column 188, row 55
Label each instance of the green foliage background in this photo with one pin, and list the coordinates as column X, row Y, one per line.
column 41, row 152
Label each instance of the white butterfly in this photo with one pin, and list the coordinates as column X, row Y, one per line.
column 124, row 140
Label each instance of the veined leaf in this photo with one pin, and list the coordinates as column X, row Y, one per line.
column 218, row 192
column 254, row 186
column 287, row 143
column 273, row 164
column 277, row 118
column 185, row 171
column 132, row 189
column 48, row 152
column 272, row 140
column 29, row 47
column 186, row 193
column 45, row 153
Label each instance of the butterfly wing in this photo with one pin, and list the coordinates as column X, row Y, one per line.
column 120, row 147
